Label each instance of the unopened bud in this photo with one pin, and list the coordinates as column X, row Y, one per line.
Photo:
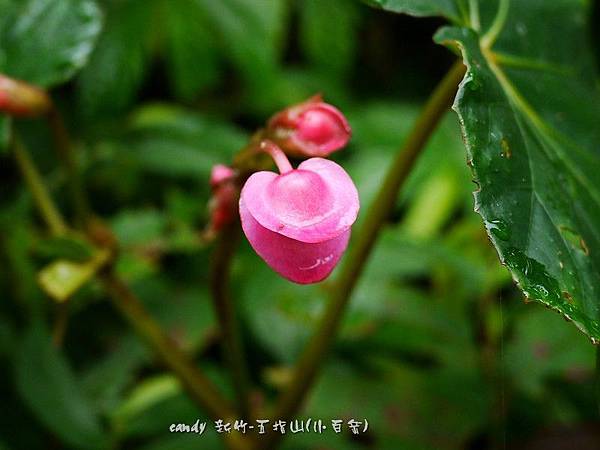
column 20, row 99
column 223, row 203
column 311, row 128
column 219, row 174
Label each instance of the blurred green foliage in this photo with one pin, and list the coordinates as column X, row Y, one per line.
column 437, row 350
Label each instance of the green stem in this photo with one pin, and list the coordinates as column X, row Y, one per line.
column 197, row 384
column 53, row 220
column 474, row 15
column 35, row 183
column 318, row 347
column 489, row 38
column 233, row 349
column 61, row 322
column 66, row 153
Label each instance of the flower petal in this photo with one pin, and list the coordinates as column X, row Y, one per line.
column 315, row 203
column 297, row 261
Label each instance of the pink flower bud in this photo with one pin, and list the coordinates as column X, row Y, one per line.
column 223, row 203
column 219, row 174
column 299, row 221
column 312, row 128
column 20, row 99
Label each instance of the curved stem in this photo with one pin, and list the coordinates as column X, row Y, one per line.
column 198, row 386
column 488, row 40
column 282, row 162
column 35, row 183
column 318, row 347
column 66, row 153
column 61, row 321
column 474, row 14
column 233, row 348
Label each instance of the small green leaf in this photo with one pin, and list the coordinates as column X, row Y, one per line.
column 48, row 386
column 62, row 278
column 71, row 248
column 45, row 42
column 146, row 394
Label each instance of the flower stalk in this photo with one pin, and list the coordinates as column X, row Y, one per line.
column 35, row 184
column 226, row 313
column 65, row 151
column 314, row 354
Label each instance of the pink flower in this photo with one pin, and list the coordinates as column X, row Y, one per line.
column 311, row 128
column 299, row 221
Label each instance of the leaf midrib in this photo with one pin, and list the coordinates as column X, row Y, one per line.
column 520, row 107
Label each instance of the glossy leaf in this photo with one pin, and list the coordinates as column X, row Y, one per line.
column 45, row 42
column 530, row 112
column 529, row 108
column 50, row 389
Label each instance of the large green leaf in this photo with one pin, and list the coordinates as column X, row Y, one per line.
column 176, row 142
column 50, row 389
column 251, row 35
column 190, row 49
column 529, row 108
column 46, row 41
column 117, row 66
column 329, row 44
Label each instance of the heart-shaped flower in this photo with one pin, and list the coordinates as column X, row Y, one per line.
column 299, row 221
